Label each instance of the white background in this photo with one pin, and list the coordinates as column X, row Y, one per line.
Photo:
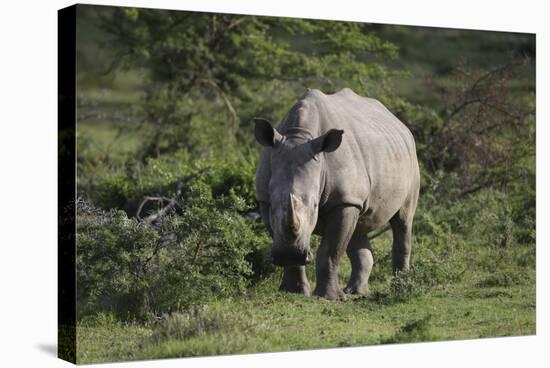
column 28, row 180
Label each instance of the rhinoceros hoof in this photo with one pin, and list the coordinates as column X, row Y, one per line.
column 360, row 289
column 296, row 288
column 330, row 293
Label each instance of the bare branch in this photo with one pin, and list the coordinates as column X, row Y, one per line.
column 162, row 212
column 151, row 199
column 173, row 202
column 235, row 23
column 462, row 106
column 197, row 252
column 500, row 69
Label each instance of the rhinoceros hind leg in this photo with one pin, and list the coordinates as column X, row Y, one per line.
column 401, row 224
column 360, row 255
column 295, row 280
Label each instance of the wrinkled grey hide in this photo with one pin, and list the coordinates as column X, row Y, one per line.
column 339, row 166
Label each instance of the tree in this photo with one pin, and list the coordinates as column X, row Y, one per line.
column 209, row 74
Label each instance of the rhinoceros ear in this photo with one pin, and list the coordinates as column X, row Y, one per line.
column 328, row 142
column 265, row 134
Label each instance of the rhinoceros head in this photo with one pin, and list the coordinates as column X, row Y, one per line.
column 295, row 187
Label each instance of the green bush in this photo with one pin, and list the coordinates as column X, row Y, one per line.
column 502, row 278
column 115, row 191
column 125, row 189
column 133, row 269
column 406, row 285
column 423, row 277
column 114, row 254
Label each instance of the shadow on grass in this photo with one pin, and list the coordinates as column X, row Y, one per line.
column 413, row 331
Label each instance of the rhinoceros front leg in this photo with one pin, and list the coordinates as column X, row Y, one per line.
column 360, row 255
column 295, row 280
column 340, row 225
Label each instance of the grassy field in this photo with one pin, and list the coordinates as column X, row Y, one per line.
column 480, row 304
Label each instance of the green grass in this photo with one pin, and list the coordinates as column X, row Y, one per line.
column 479, row 304
column 283, row 322
column 107, row 340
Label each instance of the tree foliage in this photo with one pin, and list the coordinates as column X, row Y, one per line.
column 189, row 56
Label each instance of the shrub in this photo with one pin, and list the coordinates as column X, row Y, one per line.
column 115, row 191
column 502, row 278
column 234, row 177
column 114, row 254
column 406, row 285
column 125, row 189
column 133, row 269
column 401, row 288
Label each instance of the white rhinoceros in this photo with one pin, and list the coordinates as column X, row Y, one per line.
column 339, row 165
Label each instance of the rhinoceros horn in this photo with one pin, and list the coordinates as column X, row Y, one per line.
column 294, row 216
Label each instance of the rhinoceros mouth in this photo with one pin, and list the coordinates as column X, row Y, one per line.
column 291, row 257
